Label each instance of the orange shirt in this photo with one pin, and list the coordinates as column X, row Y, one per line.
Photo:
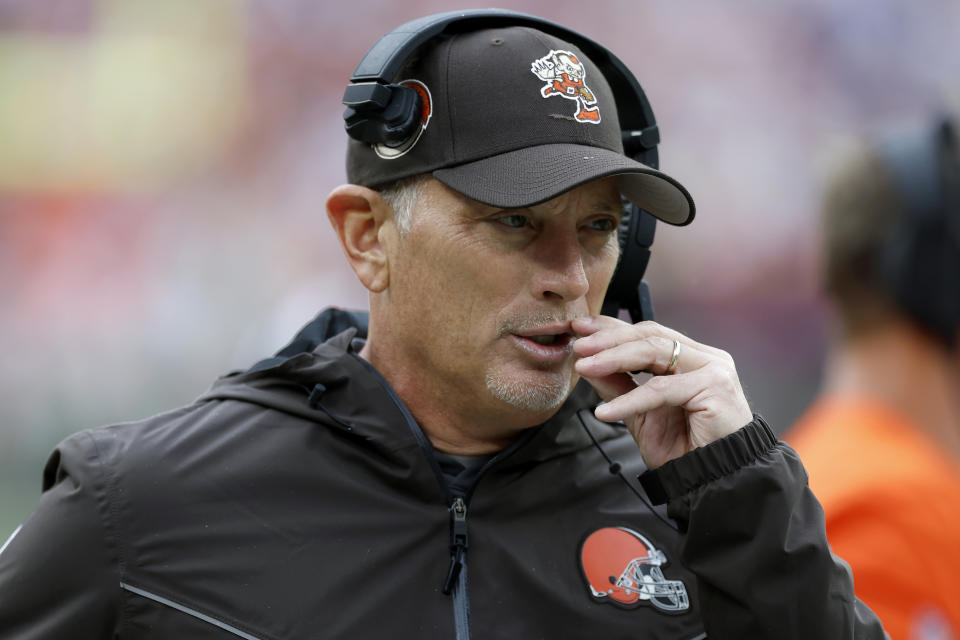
column 892, row 505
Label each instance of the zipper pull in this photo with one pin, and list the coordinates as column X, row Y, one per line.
column 458, row 542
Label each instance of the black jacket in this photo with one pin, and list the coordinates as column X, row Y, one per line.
column 300, row 500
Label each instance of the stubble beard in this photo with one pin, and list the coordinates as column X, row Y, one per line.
column 529, row 396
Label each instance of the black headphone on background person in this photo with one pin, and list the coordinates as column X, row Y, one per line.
column 919, row 263
column 379, row 111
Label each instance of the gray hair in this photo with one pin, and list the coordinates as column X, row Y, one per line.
column 402, row 196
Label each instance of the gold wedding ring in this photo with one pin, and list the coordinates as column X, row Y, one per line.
column 673, row 359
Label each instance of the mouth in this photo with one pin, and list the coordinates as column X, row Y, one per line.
column 550, row 339
column 546, row 345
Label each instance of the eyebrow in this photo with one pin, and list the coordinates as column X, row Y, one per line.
column 601, row 206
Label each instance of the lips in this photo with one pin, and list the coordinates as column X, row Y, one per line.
column 545, row 345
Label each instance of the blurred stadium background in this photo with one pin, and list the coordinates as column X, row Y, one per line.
column 163, row 169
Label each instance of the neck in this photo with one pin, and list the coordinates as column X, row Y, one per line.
column 907, row 370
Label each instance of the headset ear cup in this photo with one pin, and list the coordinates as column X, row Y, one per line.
column 930, row 288
column 401, row 118
column 390, row 116
column 920, row 263
column 910, row 272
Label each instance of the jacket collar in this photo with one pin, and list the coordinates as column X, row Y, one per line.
column 320, row 377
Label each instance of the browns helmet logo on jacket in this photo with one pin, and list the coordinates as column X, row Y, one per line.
column 623, row 568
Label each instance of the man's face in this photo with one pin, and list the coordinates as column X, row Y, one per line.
column 480, row 299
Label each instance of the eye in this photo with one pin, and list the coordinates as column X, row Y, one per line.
column 514, row 220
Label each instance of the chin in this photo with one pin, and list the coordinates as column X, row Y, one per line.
column 535, row 392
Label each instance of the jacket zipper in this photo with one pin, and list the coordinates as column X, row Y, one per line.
column 456, row 582
column 458, row 543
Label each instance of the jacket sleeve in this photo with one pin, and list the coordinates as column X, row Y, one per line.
column 58, row 573
column 753, row 533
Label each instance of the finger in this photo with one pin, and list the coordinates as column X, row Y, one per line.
column 588, row 325
column 660, row 391
column 653, row 354
column 610, row 387
column 603, row 332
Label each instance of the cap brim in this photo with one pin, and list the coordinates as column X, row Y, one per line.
column 532, row 175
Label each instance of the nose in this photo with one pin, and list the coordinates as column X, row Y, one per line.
column 560, row 272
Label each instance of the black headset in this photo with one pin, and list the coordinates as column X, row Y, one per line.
column 919, row 264
column 379, row 111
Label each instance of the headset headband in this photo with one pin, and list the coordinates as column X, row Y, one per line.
column 385, row 58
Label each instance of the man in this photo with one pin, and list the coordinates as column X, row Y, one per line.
column 882, row 443
column 443, row 469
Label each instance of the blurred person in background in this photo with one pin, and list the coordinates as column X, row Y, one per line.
column 882, row 443
column 485, row 414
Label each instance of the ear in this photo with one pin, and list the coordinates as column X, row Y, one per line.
column 357, row 215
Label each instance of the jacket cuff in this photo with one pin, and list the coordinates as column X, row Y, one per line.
column 705, row 464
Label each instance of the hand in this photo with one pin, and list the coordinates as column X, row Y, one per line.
column 543, row 69
column 668, row 415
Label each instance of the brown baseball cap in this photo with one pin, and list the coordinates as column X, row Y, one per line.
column 512, row 117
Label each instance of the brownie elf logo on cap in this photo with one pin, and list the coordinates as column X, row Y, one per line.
column 426, row 110
column 564, row 75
